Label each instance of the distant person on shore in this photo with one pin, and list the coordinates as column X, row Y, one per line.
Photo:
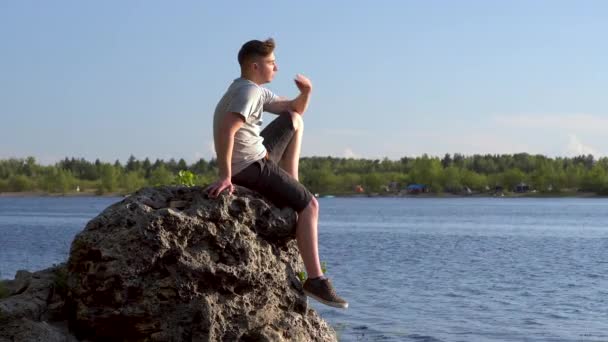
column 267, row 160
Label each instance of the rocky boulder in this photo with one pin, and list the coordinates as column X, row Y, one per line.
column 171, row 264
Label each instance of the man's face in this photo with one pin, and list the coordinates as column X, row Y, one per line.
column 266, row 68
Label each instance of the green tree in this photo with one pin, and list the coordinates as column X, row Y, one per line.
column 574, row 176
column 132, row 164
column 201, row 166
column 542, row 177
column 428, row 171
column 348, row 181
column 58, row 180
column 321, row 180
column 160, row 176
column 146, row 167
column 373, row 182
column 182, row 165
column 117, row 165
column 326, row 174
column 204, row 179
column 446, row 161
column 451, row 179
column 30, row 168
column 473, row 180
column 131, row 181
column 109, row 178
column 559, row 180
column 18, row 183
column 595, row 179
column 512, row 178
column 171, row 165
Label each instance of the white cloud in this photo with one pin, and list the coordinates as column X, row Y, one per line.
column 576, row 148
column 348, row 153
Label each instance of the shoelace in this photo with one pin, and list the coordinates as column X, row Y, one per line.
column 329, row 288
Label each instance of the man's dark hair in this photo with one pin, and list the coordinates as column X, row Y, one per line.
column 255, row 48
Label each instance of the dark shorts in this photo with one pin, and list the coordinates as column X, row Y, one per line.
column 266, row 177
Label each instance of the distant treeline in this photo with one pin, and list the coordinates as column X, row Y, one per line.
column 452, row 173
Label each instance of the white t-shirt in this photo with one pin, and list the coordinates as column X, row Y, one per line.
column 248, row 99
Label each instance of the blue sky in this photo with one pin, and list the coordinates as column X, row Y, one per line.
column 108, row 79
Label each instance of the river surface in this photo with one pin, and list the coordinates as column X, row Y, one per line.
column 413, row 269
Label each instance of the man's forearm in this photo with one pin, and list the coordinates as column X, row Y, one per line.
column 224, row 155
column 300, row 103
column 231, row 123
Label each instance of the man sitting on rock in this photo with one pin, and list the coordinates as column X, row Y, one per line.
column 267, row 161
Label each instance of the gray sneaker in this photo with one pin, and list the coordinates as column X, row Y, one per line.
column 323, row 291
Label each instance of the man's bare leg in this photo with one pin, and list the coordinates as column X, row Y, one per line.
column 306, row 228
column 317, row 287
column 290, row 161
column 307, row 238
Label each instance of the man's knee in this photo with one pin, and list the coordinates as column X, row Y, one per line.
column 314, row 205
column 312, row 208
column 296, row 118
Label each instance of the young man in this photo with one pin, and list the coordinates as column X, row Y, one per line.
column 267, row 160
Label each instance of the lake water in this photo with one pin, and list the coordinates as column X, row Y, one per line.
column 413, row 269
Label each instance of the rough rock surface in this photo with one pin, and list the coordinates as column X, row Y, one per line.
column 170, row 264
column 33, row 308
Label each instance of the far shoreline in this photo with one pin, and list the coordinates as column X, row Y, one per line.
column 52, row 194
column 457, row 196
column 31, row 194
column 480, row 195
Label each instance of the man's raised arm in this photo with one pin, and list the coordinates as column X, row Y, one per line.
column 299, row 104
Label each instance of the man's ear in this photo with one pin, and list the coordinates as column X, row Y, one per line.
column 255, row 66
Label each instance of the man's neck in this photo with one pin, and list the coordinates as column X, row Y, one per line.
column 252, row 79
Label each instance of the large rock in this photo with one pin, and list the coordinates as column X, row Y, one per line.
column 170, row 264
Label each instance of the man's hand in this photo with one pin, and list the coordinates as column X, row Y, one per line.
column 220, row 185
column 303, row 84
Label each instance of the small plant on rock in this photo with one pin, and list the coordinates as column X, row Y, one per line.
column 302, row 275
column 185, row 178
